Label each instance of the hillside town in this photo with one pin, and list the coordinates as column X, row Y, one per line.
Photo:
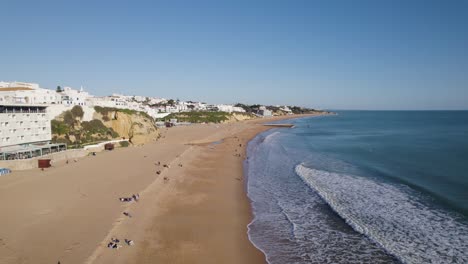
column 27, row 111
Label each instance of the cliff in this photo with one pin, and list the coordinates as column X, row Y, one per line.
column 138, row 127
column 234, row 117
column 107, row 124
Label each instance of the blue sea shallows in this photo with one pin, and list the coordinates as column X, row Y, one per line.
column 362, row 186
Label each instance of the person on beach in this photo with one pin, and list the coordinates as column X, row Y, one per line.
column 127, row 214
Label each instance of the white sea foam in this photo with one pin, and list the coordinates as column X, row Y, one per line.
column 392, row 216
column 270, row 137
column 292, row 224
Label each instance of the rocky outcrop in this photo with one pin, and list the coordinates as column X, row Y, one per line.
column 234, row 117
column 106, row 124
column 135, row 126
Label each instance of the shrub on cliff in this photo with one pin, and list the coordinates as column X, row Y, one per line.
column 124, row 144
column 68, row 118
column 59, row 127
column 200, row 117
column 77, row 111
column 95, row 126
column 104, row 111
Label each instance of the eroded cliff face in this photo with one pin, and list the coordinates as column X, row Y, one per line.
column 136, row 127
column 240, row 117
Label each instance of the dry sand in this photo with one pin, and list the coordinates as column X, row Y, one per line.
column 195, row 212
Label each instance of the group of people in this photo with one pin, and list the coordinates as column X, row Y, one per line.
column 135, row 197
column 114, row 243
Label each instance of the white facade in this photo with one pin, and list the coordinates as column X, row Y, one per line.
column 286, row 109
column 139, row 98
column 56, row 110
column 264, row 111
column 71, row 96
column 114, row 101
column 22, row 124
column 26, row 93
column 20, row 84
column 229, row 108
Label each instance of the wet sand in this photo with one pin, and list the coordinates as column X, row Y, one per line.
column 195, row 211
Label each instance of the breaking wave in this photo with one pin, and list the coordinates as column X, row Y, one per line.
column 393, row 216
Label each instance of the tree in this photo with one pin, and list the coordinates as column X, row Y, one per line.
column 59, row 89
column 59, row 128
column 68, row 118
column 170, row 102
column 77, row 111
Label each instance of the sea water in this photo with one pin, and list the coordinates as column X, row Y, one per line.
column 362, row 187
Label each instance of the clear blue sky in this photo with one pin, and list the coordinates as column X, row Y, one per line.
column 327, row 54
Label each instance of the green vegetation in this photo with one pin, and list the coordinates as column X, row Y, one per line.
column 200, row 117
column 170, row 102
column 59, row 128
column 124, row 144
column 96, row 127
column 68, row 118
column 84, row 133
column 77, row 111
column 104, row 111
column 249, row 108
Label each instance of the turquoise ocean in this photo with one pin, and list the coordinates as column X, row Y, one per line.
column 362, row 187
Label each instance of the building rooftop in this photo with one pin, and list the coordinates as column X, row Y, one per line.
column 9, row 89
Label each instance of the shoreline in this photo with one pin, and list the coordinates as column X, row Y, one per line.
column 201, row 208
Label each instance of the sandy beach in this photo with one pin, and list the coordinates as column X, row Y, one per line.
column 194, row 211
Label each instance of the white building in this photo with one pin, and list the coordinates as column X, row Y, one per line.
column 230, row 108
column 21, row 124
column 286, row 109
column 25, row 126
column 26, row 93
column 140, row 99
column 263, row 111
column 71, row 96
column 114, row 101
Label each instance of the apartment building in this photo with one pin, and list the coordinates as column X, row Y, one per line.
column 24, row 124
